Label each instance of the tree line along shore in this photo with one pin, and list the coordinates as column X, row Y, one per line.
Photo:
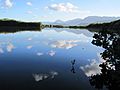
column 15, row 25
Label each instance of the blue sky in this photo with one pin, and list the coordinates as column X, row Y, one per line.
column 51, row 10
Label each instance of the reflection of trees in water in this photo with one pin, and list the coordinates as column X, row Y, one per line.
column 110, row 69
column 14, row 29
column 73, row 68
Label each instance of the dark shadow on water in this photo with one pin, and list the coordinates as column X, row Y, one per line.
column 110, row 68
column 73, row 66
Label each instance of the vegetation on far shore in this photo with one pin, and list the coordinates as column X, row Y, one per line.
column 115, row 25
column 11, row 24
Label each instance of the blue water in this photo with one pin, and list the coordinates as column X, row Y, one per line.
column 51, row 59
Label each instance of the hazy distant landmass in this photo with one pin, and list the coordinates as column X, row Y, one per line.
column 83, row 22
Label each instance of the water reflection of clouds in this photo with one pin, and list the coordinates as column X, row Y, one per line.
column 29, row 46
column 1, row 50
column 51, row 53
column 75, row 31
column 29, row 39
column 84, row 38
column 92, row 68
column 8, row 46
column 41, row 77
column 53, row 74
column 67, row 44
column 40, row 53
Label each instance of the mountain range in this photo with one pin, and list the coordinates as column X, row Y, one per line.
column 86, row 21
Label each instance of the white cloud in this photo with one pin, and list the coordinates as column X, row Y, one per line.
column 51, row 53
column 63, row 7
column 67, row 44
column 29, row 3
column 8, row 3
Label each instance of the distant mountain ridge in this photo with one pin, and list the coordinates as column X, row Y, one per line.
column 86, row 21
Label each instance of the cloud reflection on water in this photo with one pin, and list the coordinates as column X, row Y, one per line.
column 29, row 47
column 40, row 53
column 1, row 50
column 29, row 39
column 67, row 44
column 51, row 53
column 6, row 45
column 92, row 68
column 41, row 77
column 10, row 47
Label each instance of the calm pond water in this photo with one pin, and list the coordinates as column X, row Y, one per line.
column 51, row 59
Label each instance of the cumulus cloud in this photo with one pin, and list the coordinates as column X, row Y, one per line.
column 63, row 7
column 29, row 3
column 67, row 44
column 8, row 3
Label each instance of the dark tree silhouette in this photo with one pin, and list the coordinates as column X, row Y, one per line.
column 9, row 26
column 110, row 69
